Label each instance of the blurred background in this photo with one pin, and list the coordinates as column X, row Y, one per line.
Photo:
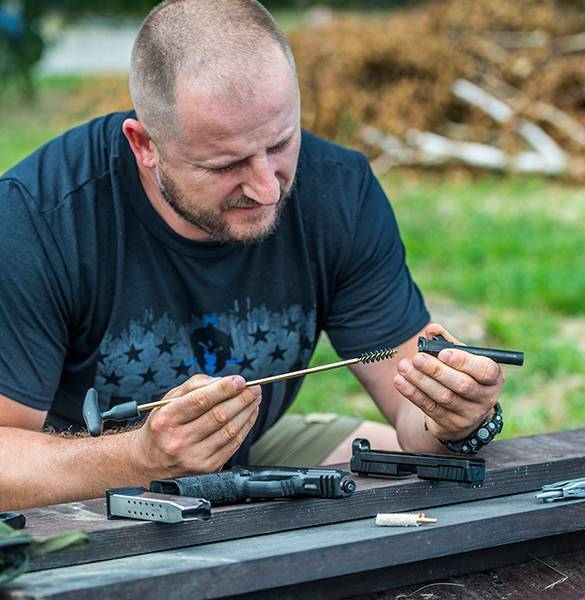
column 473, row 115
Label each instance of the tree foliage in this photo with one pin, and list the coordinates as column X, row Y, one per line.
column 22, row 47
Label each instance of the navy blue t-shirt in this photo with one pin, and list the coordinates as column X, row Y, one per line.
column 97, row 290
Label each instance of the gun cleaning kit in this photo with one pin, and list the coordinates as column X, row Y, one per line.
column 190, row 498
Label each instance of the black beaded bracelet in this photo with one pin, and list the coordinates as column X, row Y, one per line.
column 481, row 437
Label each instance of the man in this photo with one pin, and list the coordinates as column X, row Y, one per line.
column 198, row 241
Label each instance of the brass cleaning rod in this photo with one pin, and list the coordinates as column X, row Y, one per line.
column 367, row 357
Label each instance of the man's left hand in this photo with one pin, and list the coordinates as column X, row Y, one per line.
column 457, row 390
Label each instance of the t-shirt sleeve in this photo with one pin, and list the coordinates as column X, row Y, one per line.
column 33, row 307
column 376, row 303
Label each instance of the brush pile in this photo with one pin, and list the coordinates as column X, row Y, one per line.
column 484, row 83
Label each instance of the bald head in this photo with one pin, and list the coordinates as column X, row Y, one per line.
column 223, row 46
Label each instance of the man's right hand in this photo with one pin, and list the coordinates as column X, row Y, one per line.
column 199, row 431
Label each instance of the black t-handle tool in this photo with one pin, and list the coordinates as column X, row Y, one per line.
column 94, row 418
column 438, row 343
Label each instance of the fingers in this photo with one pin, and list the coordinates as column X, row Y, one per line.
column 482, row 369
column 193, row 383
column 222, row 444
column 446, row 384
column 196, row 401
column 433, row 329
column 456, row 389
column 222, row 415
column 449, row 388
column 447, row 414
column 429, row 406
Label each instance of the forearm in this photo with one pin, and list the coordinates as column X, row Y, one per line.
column 412, row 435
column 407, row 419
column 39, row 469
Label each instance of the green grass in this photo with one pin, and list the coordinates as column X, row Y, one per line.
column 509, row 249
column 27, row 123
column 510, row 243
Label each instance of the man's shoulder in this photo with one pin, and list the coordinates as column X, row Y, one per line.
column 68, row 162
column 320, row 153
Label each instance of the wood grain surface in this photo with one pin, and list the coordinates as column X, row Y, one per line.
column 328, row 561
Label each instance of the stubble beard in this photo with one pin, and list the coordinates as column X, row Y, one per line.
column 213, row 222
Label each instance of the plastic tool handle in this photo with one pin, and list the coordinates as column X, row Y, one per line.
column 91, row 413
column 439, row 343
column 94, row 418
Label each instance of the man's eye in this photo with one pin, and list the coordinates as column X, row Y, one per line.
column 280, row 147
column 224, row 169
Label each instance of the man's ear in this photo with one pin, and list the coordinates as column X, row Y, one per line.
column 141, row 143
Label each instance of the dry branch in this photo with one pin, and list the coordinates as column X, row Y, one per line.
column 554, row 159
column 426, row 148
column 538, row 110
column 570, row 43
column 528, row 109
column 519, row 39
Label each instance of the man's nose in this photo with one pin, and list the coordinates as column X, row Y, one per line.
column 261, row 182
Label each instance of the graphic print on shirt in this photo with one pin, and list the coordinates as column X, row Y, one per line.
column 153, row 355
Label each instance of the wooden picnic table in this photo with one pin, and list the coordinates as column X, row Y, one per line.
column 326, row 548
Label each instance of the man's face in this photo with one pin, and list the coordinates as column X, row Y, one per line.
column 233, row 166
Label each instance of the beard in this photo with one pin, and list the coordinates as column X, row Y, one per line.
column 214, row 222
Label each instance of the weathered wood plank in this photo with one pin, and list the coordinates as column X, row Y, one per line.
column 552, row 577
column 514, row 466
column 313, row 554
column 389, row 582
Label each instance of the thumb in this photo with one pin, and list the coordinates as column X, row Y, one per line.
column 433, row 329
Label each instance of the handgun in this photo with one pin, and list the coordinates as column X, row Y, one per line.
column 244, row 484
column 366, row 461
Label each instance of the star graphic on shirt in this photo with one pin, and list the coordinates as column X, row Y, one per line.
column 181, row 369
column 260, row 335
column 148, row 376
column 291, row 326
column 277, row 353
column 133, row 354
column 113, row 378
column 165, row 346
column 101, row 356
column 246, row 363
column 306, row 343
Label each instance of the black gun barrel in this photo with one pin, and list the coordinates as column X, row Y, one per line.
column 438, row 343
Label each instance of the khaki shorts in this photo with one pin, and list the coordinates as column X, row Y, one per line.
column 302, row 440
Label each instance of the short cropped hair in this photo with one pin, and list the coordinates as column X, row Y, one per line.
column 207, row 40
